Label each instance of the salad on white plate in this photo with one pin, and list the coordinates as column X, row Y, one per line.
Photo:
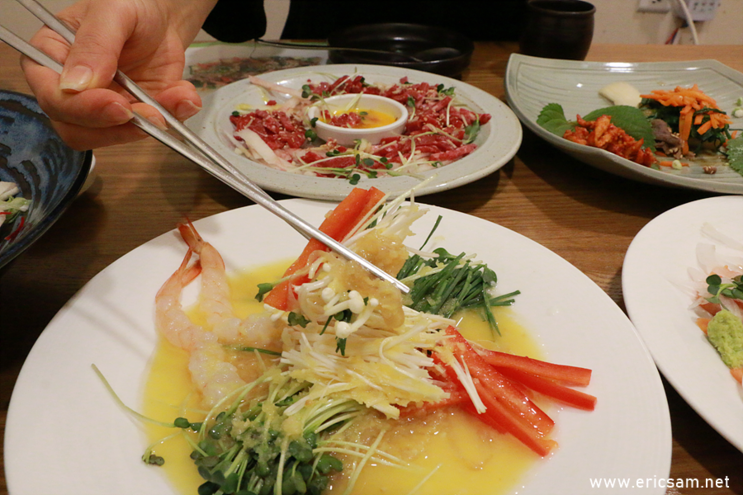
column 662, row 278
column 110, row 325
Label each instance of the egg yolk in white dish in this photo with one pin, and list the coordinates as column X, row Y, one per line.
column 359, row 118
column 448, row 451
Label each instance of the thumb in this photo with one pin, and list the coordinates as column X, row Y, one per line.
column 94, row 56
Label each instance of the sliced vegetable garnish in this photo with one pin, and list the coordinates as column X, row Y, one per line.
column 337, row 225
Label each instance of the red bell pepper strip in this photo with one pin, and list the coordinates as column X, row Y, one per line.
column 457, row 397
column 499, row 386
column 567, row 375
column 498, row 414
column 338, row 224
column 552, row 389
column 485, row 418
column 503, row 419
column 507, row 409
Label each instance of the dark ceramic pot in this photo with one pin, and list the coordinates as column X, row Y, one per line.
column 558, row 29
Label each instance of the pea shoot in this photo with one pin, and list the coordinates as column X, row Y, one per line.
column 733, row 290
column 246, row 450
column 471, row 132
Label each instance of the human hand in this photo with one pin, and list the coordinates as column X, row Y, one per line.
column 145, row 39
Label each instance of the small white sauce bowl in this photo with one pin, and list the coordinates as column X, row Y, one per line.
column 346, row 136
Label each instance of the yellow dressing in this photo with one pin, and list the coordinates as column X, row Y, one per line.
column 369, row 118
column 168, row 395
column 461, row 455
column 449, row 450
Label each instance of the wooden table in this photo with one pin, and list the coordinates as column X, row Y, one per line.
column 586, row 216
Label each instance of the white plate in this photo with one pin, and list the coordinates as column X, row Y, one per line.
column 532, row 83
column 654, row 279
column 254, row 57
column 62, row 422
column 497, row 141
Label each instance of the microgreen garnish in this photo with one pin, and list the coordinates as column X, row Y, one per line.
column 733, row 290
column 264, row 289
column 471, row 131
column 296, row 319
column 155, row 460
column 261, row 457
column 448, row 91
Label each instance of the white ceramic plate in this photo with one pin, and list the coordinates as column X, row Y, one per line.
column 532, row 83
column 62, row 422
column 655, row 284
column 497, row 141
column 239, row 60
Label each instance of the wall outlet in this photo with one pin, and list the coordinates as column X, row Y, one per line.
column 700, row 10
column 654, row 6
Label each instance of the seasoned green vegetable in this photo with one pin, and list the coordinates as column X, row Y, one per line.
column 447, row 284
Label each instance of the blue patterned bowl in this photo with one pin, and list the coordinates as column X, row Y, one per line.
column 47, row 171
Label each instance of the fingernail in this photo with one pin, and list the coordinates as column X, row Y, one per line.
column 75, row 79
column 159, row 122
column 186, row 109
column 117, row 113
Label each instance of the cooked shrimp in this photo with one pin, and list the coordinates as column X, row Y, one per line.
column 215, row 300
column 210, row 372
column 170, row 319
column 215, row 290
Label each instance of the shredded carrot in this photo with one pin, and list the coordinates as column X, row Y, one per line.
column 737, row 374
column 685, row 130
column 702, row 323
column 695, row 106
column 704, row 127
column 690, row 98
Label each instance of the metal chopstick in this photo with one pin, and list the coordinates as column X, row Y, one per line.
column 206, row 157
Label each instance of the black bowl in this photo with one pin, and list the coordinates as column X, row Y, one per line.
column 402, row 41
column 46, row 170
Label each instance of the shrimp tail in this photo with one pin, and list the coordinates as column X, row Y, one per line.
column 169, row 316
column 184, row 275
column 191, row 236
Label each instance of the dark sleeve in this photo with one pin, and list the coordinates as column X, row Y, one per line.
column 235, row 21
column 477, row 19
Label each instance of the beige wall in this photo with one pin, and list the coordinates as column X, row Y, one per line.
column 617, row 21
